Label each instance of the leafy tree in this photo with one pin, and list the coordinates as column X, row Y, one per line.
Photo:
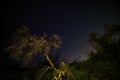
column 25, row 46
column 110, row 36
column 106, row 58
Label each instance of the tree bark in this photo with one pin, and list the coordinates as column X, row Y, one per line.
column 50, row 62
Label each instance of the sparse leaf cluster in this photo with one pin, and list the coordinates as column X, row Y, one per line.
column 25, row 46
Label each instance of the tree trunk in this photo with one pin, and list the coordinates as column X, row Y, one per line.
column 50, row 62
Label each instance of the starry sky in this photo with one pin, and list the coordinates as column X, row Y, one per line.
column 73, row 21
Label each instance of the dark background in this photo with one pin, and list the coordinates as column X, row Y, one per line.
column 73, row 21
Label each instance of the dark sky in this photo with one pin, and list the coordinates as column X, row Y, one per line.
column 73, row 21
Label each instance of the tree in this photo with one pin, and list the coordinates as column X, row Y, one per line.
column 110, row 36
column 106, row 58
column 25, row 46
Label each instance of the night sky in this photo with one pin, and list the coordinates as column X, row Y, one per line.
column 73, row 21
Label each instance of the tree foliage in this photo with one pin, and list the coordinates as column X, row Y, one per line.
column 109, row 37
column 106, row 58
column 104, row 61
column 24, row 45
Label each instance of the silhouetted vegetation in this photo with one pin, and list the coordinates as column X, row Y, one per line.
column 103, row 62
